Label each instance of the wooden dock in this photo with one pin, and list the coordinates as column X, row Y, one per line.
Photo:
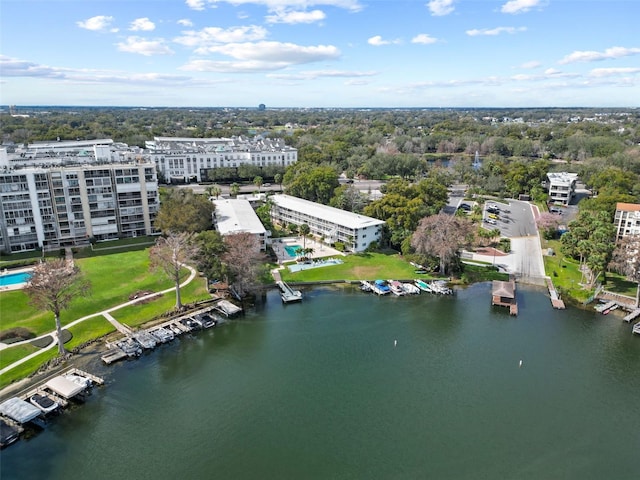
column 287, row 294
column 503, row 294
column 114, row 355
column 632, row 316
column 556, row 301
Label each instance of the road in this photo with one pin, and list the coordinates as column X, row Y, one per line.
column 516, row 221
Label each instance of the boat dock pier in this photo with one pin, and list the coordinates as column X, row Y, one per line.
column 605, row 307
column 632, row 316
column 556, row 301
column 288, row 294
column 504, row 294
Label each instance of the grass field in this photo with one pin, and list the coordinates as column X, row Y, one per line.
column 361, row 266
column 113, row 278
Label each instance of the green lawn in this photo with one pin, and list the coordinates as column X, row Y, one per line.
column 113, row 278
column 361, row 266
column 565, row 273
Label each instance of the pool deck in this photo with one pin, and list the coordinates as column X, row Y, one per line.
column 320, row 250
column 16, row 286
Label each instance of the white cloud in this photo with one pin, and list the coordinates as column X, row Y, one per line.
column 196, row 4
column 144, row 47
column 377, row 41
column 593, row 56
column 142, row 24
column 530, row 64
column 495, row 31
column 440, row 8
column 611, row 72
column 208, row 37
column 13, row 67
column 99, row 23
column 278, row 5
column 185, row 22
column 277, row 52
column 520, row 6
column 424, row 38
column 293, row 17
column 313, row 74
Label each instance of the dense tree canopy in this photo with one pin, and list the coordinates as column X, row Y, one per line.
column 181, row 210
column 590, row 239
column 311, row 182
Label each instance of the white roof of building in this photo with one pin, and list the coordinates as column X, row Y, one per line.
column 325, row 212
column 19, row 410
column 562, row 177
column 235, row 216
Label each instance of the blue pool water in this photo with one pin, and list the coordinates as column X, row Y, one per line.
column 14, row 278
column 291, row 249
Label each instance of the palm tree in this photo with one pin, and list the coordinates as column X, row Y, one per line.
column 213, row 191
column 304, row 231
column 257, row 181
column 234, row 189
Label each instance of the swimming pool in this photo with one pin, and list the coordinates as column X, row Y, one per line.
column 14, row 278
column 291, row 249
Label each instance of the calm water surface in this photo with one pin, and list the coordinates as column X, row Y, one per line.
column 318, row 390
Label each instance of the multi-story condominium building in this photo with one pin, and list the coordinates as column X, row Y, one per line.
column 237, row 216
column 331, row 224
column 562, row 187
column 62, row 206
column 189, row 159
column 627, row 219
column 61, row 153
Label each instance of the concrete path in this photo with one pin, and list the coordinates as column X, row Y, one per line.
column 105, row 313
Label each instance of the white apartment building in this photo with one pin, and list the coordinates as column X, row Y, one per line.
column 237, row 216
column 562, row 187
column 62, row 153
column 627, row 219
column 332, row 224
column 62, row 206
column 185, row 159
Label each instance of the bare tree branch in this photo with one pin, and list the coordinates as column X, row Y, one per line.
column 53, row 286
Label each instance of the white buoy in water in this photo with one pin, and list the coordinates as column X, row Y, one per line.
column 520, row 363
column 395, row 343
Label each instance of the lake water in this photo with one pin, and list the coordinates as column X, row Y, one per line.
column 317, row 390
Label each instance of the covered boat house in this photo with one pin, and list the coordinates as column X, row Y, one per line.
column 19, row 410
column 503, row 294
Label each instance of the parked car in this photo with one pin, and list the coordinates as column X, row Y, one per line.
column 493, row 216
column 490, row 221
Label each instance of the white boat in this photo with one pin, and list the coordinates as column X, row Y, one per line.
column 396, row 288
column 130, row 347
column 44, row 403
column 145, row 340
column 411, row 289
column 163, row 335
column 79, row 380
column 440, row 286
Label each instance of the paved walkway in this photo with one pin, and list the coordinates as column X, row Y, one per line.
column 105, row 313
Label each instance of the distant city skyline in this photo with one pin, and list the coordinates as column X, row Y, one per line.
column 320, row 53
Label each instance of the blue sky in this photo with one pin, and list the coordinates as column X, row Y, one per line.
column 320, row 53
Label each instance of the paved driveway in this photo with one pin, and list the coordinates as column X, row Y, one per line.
column 517, row 222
